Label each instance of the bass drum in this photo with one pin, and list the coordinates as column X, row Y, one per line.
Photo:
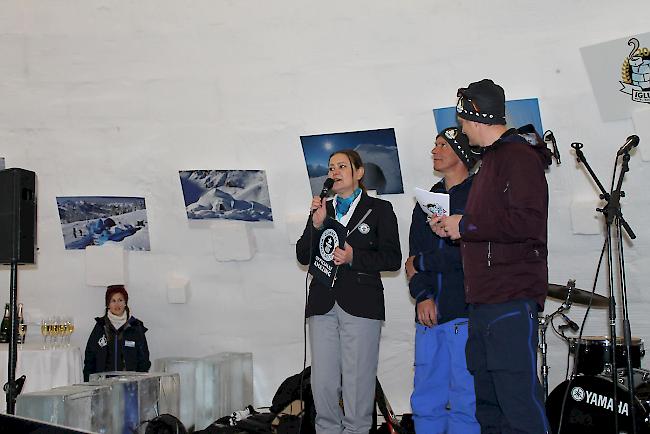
column 589, row 406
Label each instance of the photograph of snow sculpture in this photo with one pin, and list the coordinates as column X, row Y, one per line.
column 378, row 151
column 226, row 194
column 100, row 220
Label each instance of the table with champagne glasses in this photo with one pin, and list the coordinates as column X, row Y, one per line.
column 46, row 362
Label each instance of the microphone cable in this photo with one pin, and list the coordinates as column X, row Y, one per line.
column 576, row 356
column 327, row 186
column 312, row 229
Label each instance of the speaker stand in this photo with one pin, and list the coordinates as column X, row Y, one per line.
column 12, row 388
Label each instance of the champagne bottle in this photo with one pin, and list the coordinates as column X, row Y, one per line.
column 5, row 326
column 22, row 327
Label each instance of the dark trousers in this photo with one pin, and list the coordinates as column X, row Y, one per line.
column 502, row 356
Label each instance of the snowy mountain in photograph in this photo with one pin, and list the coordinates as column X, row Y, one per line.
column 73, row 209
column 226, row 194
column 100, row 220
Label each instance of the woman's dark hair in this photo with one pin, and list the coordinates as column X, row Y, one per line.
column 117, row 289
column 355, row 161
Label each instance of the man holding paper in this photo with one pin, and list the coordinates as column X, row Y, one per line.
column 435, row 274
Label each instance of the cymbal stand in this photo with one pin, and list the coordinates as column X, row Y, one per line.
column 613, row 214
column 543, row 325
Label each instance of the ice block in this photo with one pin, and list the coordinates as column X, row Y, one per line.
column 81, row 406
column 145, row 395
column 190, row 373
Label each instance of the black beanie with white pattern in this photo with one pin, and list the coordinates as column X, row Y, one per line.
column 460, row 144
column 482, row 101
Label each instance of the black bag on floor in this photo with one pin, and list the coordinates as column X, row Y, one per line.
column 165, row 424
column 217, row 428
column 256, row 423
column 295, row 416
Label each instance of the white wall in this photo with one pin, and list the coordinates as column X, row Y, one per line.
column 113, row 98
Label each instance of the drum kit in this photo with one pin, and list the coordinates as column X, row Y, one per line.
column 585, row 402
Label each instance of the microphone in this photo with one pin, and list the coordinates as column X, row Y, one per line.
column 327, row 186
column 573, row 326
column 631, row 142
column 548, row 136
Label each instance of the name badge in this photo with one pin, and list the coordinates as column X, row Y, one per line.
column 129, row 344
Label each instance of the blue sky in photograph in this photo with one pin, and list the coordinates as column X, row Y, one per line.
column 318, row 148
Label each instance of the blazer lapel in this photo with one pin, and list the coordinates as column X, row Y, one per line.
column 360, row 211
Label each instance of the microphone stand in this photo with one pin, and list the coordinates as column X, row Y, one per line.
column 622, row 224
column 613, row 214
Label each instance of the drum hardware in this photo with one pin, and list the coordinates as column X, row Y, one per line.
column 578, row 296
column 544, row 321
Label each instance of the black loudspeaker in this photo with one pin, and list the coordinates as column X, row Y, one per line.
column 17, row 424
column 17, row 216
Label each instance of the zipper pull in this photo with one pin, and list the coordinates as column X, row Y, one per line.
column 489, row 255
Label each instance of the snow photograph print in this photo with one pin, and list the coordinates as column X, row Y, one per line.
column 226, row 194
column 98, row 220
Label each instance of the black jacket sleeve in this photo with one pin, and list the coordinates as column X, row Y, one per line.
column 92, row 350
column 421, row 286
column 143, row 363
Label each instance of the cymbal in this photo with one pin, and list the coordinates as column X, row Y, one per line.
column 578, row 296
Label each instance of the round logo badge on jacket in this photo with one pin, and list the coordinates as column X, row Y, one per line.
column 364, row 228
column 328, row 241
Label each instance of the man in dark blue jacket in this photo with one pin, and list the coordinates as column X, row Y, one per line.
column 443, row 398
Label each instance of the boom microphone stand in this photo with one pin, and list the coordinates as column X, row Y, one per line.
column 627, row 335
column 613, row 214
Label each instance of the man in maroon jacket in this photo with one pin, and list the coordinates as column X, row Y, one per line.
column 503, row 246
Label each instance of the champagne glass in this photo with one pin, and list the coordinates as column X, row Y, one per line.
column 67, row 329
column 56, row 331
column 44, row 331
column 70, row 328
column 51, row 331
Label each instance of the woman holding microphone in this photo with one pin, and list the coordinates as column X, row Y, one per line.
column 345, row 320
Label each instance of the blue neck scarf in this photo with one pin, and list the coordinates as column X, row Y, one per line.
column 343, row 203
